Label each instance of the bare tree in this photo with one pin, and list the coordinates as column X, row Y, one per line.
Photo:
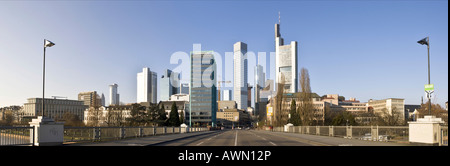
column 115, row 117
column 305, row 107
column 393, row 118
column 280, row 116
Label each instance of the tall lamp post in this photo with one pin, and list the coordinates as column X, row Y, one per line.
column 47, row 43
column 427, row 42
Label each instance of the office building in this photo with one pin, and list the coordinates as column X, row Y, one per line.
column 114, row 98
column 260, row 78
column 240, row 91
column 232, row 118
column 184, row 88
column 227, row 95
column 286, row 68
column 203, row 90
column 146, row 86
column 179, row 97
column 54, row 108
column 168, row 84
column 226, row 105
column 390, row 106
column 91, row 99
column 267, row 92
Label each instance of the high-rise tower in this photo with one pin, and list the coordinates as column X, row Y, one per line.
column 113, row 95
column 146, row 86
column 202, row 90
column 286, row 68
column 240, row 90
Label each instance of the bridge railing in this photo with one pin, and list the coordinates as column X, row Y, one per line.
column 92, row 134
column 443, row 138
column 13, row 135
column 369, row 133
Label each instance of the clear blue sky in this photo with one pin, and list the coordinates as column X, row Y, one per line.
column 367, row 50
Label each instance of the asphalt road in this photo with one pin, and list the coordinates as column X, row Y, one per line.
column 239, row 138
column 242, row 138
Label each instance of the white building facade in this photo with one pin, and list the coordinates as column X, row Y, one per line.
column 391, row 106
column 146, row 86
column 54, row 108
column 240, row 90
column 114, row 98
column 286, row 63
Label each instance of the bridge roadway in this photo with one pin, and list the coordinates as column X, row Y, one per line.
column 240, row 138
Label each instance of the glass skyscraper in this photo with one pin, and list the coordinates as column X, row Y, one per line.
column 202, row 90
column 169, row 83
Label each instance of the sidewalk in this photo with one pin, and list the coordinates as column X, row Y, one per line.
column 144, row 141
column 337, row 141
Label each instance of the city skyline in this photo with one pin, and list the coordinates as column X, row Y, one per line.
column 363, row 62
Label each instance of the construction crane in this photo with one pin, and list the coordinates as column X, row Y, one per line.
column 218, row 87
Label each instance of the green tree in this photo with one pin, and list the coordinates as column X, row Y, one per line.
column 174, row 118
column 161, row 116
column 138, row 115
column 182, row 117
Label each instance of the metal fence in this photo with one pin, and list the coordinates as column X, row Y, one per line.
column 12, row 135
column 443, row 139
column 397, row 134
column 91, row 134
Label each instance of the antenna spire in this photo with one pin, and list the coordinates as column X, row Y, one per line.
column 279, row 18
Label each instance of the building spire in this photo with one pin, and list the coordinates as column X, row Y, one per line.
column 279, row 17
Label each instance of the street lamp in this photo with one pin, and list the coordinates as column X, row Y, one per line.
column 427, row 42
column 47, row 43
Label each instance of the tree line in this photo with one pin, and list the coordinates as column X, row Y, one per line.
column 152, row 115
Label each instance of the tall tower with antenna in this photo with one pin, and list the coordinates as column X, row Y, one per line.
column 286, row 67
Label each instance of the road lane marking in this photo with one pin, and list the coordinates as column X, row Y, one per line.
column 235, row 140
column 199, row 143
column 272, row 143
column 302, row 140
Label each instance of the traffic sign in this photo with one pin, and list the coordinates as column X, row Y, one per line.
column 429, row 87
column 428, row 94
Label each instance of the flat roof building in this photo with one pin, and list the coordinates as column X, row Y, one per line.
column 54, row 108
column 202, row 90
column 146, row 86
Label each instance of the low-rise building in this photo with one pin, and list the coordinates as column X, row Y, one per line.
column 13, row 111
column 91, row 99
column 54, row 108
column 233, row 118
column 182, row 107
column 227, row 105
column 107, row 116
column 182, row 103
